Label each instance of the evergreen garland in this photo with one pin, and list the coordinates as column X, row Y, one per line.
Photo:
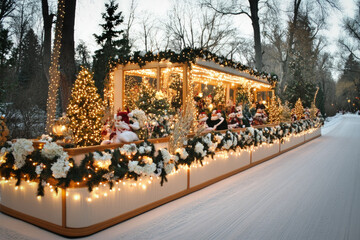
column 125, row 158
column 189, row 55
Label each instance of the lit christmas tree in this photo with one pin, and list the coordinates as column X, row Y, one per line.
column 176, row 87
column 85, row 110
column 299, row 109
column 219, row 96
column 242, row 95
column 151, row 101
column 285, row 112
column 131, row 93
column 274, row 110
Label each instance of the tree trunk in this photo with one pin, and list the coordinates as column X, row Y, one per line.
column 47, row 19
column 254, row 9
column 290, row 43
column 53, row 70
column 67, row 54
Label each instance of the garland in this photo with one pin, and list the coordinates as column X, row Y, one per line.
column 52, row 165
column 189, row 55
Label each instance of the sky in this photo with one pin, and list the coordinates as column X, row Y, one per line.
column 88, row 18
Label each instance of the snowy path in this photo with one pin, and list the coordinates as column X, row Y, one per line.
column 311, row 192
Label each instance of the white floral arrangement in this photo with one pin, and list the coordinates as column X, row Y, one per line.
column 129, row 149
column 51, row 150
column 61, row 167
column 102, row 161
column 20, row 149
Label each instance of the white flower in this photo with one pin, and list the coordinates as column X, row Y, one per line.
column 185, row 142
column 149, row 169
column 251, row 130
column 169, row 168
column 39, row 169
column 3, row 153
column 128, row 149
column 138, row 169
column 141, row 150
column 148, row 149
column 212, row 147
column 20, row 149
column 182, row 152
column 228, row 144
column 166, row 155
column 51, row 150
column 199, row 148
column 219, row 138
column 103, row 161
column 235, row 141
column 132, row 165
column 46, row 138
column 60, row 168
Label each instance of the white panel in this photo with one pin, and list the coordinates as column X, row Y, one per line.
column 23, row 199
column 221, row 164
column 264, row 151
column 82, row 213
column 292, row 141
column 315, row 133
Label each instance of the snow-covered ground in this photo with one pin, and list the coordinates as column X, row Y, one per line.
column 311, row 192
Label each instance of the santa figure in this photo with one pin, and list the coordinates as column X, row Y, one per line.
column 217, row 122
column 260, row 117
column 233, row 121
column 106, row 133
column 123, row 129
column 202, row 122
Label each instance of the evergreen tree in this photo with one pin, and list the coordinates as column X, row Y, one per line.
column 348, row 86
column 85, row 111
column 219, row 95
column 274, row 110
column 176, row 85
column 30, row 61
column 5, row 48
column 303, row 64
column 82, row 56
column 114, row 43
column 151, row 101
column 242, row 95
column 299, row 109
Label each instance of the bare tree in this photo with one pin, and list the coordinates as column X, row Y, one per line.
column 6, row 7
column 191, row 25
column 252, row 11
column 351, row 43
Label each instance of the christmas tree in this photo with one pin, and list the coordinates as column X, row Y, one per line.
column 299, row 109
column 85, row 110
column 131, row 92
column 285, row 112
column 151, row 101
column 219, row 96
column 176, row 86
column 274, row 110
column 242, row 95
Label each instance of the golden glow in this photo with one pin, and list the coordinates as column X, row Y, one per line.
column 85, row 110
column 54, row 73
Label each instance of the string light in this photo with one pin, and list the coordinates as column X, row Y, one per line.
column 54, row 73
column 85, row 110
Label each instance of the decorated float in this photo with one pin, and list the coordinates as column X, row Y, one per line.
column 79, row 191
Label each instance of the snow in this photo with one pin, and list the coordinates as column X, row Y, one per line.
column 311, row 192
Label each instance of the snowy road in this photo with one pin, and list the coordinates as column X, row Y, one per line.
column 311, row 192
